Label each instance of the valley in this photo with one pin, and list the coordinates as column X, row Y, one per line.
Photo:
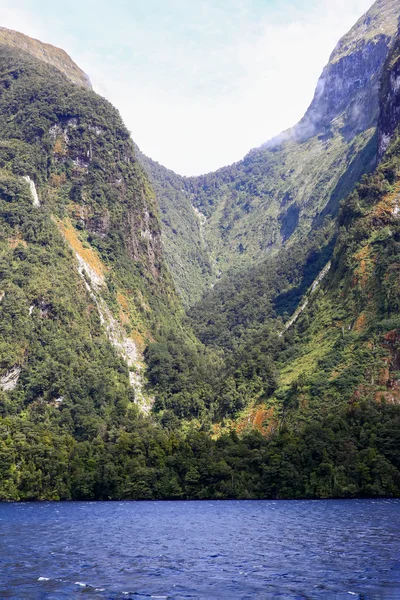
column 232, row 335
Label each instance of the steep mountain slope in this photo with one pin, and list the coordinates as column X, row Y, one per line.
column 182, row 228
column 390, row 100
column 282, row 190
column 92, row 332
column 84, row 289
column 345, row 345
column 348, row 89
column 82, row 266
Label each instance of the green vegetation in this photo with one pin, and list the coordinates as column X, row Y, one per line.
column 250, row 210
column 96, row 202
column 348, row 453
column 184, row 246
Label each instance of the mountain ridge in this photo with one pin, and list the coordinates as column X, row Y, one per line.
column 47, row 53
column 65, row 153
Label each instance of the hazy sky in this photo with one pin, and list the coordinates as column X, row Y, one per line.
column 198, row 82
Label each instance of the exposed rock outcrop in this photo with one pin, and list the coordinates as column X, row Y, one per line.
column 9, row 381
column 124, row 345
column 347, row 93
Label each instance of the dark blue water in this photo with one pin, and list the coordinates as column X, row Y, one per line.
column 285, row 550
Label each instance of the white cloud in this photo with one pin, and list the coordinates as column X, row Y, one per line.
column 200, row 98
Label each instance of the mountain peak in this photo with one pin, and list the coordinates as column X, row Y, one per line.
column 347, row 93
column 380, row 19
column 47, row 53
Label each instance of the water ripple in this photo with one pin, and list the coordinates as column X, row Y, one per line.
column 202, row 550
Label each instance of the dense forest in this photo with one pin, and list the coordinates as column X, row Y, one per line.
column 348, row 453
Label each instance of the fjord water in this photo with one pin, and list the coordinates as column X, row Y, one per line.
column 286, row 550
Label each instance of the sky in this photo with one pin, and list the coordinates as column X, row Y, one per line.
column 198, row 82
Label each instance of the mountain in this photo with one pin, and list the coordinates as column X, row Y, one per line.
column 244, row 213
column 83, row 285
column 282, row 378
column 345, row 344
column 348, row 89
column 342, row 341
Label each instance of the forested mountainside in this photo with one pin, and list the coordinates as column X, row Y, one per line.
column 286, row 188
column 344, row 346
column 183, row 232
column 283, row 382
column 83, row 284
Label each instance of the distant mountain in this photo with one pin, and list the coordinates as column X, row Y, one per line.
column 348, row 89
column 286, row 188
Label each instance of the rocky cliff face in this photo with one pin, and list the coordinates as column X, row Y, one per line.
column 390, row 100
column 46, row 53
column 348, row 89
column 347, row 94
